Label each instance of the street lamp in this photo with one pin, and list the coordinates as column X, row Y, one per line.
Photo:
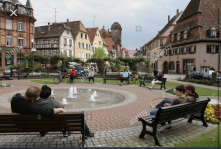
column 20, row 48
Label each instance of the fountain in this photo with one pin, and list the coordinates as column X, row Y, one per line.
column 95, row 94
column 52, row 93
column 92, row 98
column 71, row 93
column 75, row 90
column 64, row 101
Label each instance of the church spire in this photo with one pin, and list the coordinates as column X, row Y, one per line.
column 28, row 4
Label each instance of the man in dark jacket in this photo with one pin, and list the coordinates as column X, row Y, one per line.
column 24, row 104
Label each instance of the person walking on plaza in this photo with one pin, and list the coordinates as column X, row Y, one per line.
column 91, row 74
column 125, row 76
column 158, row 79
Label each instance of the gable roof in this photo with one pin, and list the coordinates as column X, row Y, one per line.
column 104, row 42
column 56, row 30
column 103, row 31
column 168, row 25
column 75, row 26
column 192, row 8
column 109, row 42
column 92, row 33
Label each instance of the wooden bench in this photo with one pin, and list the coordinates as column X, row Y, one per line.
column 150, row 79
column 167, row 114
column 70, row 121
column 114, row 77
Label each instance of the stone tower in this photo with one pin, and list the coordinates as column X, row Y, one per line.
column 116, row 31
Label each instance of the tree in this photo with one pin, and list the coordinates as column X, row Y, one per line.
column 99, row 53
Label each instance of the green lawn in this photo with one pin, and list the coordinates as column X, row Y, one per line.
column 205, row 140
column 169, row 85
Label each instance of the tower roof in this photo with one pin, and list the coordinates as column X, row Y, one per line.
column 116, row 25
column 28, row 4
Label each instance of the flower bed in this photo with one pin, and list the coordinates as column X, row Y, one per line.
column 4, row 85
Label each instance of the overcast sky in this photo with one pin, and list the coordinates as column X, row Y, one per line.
column 151, row 15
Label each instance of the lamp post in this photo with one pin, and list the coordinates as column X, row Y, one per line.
column 19, row 72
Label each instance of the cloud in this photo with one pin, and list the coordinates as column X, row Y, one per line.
column 152, row 15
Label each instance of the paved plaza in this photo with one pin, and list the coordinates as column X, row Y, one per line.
column 114, row 126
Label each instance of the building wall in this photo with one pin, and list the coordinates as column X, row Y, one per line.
column 67, row 49
column 83, row 51
column 26, row 35
column 98, row 42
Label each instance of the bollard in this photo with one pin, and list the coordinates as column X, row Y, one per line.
column 214, row 77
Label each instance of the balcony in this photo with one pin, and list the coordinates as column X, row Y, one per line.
column 47, row 46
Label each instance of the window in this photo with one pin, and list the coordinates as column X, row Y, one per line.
column 79, row 55
column 8, row 24
column 81, row 35
column 32, row 29
column 65, row 41
column 185, row 50
column 85, row 36
column 212, row 49
column 79, row 45
column 70, row 42
column 213, row 34
column 21, row 26
column 89, row 47
column 99, row 42
column 20, row 58
column 20, row 10
column 82, row 45
column 161, row 42
column 9, row 41
column 82, row 55
column 68, row 32
column 21, row 42
column 86, row 46
column 95, row 42
column 8, row 7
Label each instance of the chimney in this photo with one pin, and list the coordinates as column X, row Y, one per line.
column 168, row 18
column 103, row 27
column 177, row 12
column 49, row 25
column 67, row 21
column 108, row 31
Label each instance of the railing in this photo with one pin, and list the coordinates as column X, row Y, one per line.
column 42, row 46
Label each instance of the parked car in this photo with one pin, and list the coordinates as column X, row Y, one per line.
column 218, row 76
column 199, row 74
column 8, row 72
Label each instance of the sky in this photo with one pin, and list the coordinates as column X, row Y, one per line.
column 149, row 15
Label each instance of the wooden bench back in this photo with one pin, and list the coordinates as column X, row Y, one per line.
column 166, row 114
column 73, row 121
column 112, row 76
column 149, row 78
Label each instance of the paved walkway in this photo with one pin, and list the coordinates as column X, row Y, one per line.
column 116, row 126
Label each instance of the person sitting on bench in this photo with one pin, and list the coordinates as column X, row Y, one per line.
column 125, row 75
column 46, row 101
column 180, row 90
column 191, row 95
column 72, row 75
column 24, row 104
column 158, row 79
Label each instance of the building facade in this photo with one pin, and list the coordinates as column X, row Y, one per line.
column 55, row 39
column 15, row 30
column 95, row 38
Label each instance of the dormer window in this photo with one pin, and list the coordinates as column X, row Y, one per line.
column 8, row 7
column 212, row 33
column 20, row 10
column 186, row 34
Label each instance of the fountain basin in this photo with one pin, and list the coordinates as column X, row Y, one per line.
column 108, row 98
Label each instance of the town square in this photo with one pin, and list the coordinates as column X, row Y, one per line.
column 110, row 74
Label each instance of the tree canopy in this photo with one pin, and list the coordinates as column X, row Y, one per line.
column 99, row 53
